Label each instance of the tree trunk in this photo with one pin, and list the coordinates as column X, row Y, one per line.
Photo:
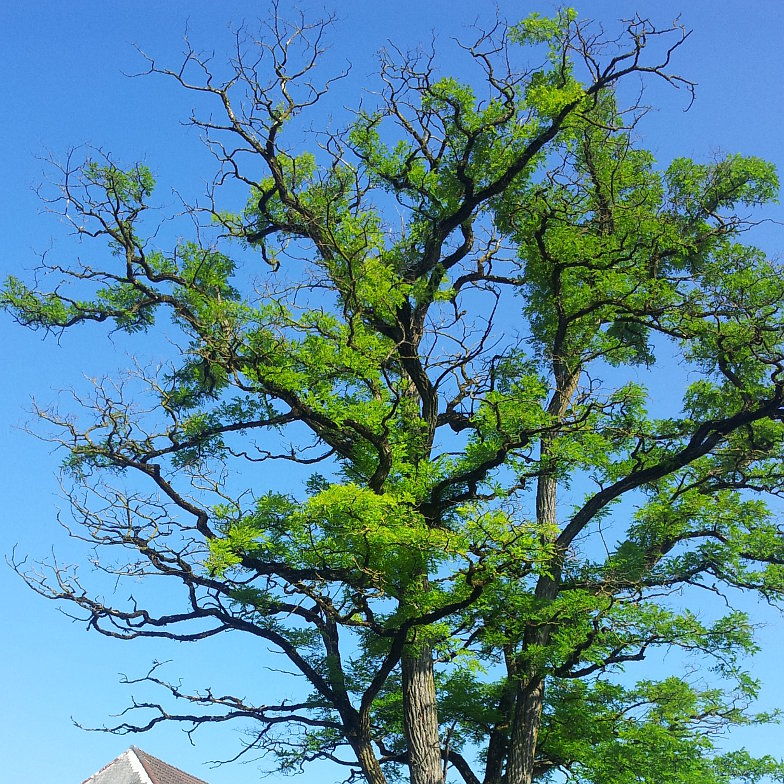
column 420, row 717
column 525, row 732
column 499, row 742
column 369, row 764
column 530, row 690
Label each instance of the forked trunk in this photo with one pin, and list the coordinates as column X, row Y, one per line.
column 420, row 717
column 498, row 743
column 529, row 700
column 525, row 732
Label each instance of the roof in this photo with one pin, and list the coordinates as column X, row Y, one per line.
column 138, row 767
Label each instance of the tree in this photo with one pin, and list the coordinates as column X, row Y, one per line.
column 460, row 296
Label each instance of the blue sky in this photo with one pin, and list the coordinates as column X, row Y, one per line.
column 63, row 67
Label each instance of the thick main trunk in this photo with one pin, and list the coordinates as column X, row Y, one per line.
column 420, row 717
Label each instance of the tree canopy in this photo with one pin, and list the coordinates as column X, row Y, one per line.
column 458, row 325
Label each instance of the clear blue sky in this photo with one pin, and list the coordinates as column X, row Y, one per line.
column 62, row 68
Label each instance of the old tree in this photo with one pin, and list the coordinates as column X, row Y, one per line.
column 447, row 322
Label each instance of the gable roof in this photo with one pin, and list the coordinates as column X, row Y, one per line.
column 138, row 767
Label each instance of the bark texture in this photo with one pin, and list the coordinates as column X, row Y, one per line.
column 420, row 716
column 369, row 764
column 525, row 732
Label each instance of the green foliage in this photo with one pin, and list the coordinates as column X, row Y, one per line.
column 643, row 734
column 455, row 344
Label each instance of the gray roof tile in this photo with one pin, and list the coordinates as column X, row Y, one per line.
column 138, row 767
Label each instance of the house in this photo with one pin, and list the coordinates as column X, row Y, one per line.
column 138, row 767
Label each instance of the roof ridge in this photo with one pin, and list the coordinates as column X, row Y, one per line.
column 136, row 765
column 131, row 755
column 154, row 767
